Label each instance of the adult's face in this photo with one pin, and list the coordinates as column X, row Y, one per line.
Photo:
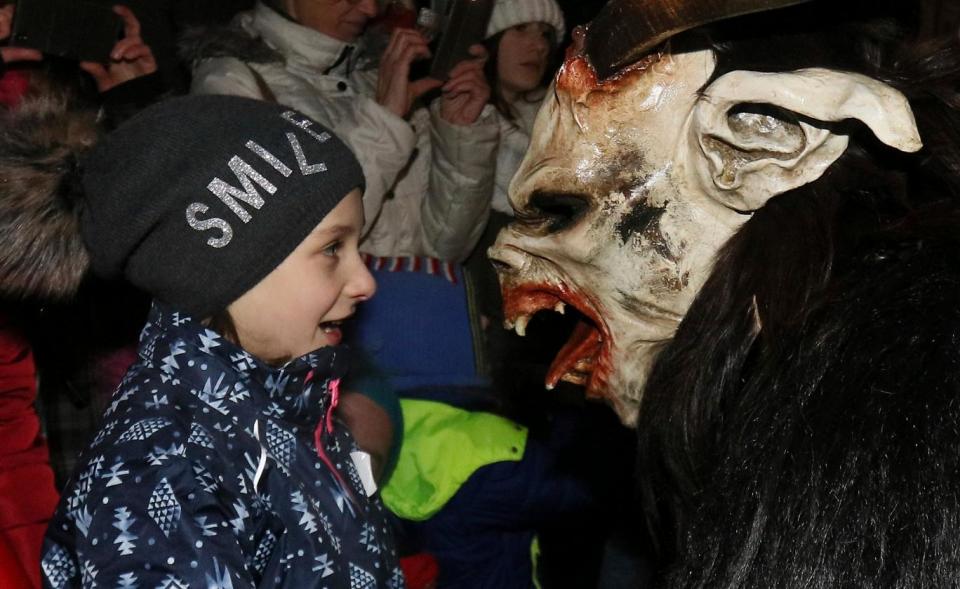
column 343, row 20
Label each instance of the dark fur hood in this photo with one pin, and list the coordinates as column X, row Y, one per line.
column 41, row 251
column 198, row 43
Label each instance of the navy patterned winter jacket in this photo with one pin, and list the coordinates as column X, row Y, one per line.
column 206, row 474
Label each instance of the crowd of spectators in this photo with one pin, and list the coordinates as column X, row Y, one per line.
column 437, row 157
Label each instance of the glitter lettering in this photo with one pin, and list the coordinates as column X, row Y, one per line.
column 226, row 231
column 291, row 115
column 269, row 158
column 305, row 168
column 249, row 194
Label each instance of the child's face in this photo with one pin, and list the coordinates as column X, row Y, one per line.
column 522, row 57
column 297, row 308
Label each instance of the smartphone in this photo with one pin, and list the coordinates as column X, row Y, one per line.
column 73, row 29
column 465, row 25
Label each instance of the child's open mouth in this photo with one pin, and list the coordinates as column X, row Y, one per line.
column 331, row 329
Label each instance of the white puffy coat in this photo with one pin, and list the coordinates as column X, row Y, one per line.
column 514, row 141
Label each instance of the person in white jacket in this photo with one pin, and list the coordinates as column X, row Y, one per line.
column 426, row 168
column 522, row 39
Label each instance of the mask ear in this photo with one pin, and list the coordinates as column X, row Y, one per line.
column 743, row 158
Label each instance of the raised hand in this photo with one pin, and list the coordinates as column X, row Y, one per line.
column 395, row 90
column 130, row 58
column 467, row 91
column 14, row 53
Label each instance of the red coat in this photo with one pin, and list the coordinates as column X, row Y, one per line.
column 27, row 492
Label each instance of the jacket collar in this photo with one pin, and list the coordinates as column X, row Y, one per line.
column 184, row 350
column 302, row 47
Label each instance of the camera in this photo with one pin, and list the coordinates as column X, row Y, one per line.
column 455, row 25
column 73, row 29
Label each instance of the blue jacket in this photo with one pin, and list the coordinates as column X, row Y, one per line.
column 206, row 474
column 476, row 498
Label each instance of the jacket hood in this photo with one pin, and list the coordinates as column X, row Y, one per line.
column 41, row 251
column 198, row 43
column 262, row 35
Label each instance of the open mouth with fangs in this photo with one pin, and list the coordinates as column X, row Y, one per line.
column 584, row 358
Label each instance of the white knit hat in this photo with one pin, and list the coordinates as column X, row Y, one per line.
column 509, row 13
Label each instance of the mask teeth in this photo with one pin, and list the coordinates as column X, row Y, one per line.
column 521, row 325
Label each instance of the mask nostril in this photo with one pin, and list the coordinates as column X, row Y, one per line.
column 507, row 259
column 500, row 265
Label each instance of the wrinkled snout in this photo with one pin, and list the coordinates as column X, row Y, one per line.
column 508, row 260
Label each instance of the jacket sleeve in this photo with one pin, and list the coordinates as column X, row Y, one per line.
column 382, row 141
column 455, row 210
column 147, row 526
column 384, row 144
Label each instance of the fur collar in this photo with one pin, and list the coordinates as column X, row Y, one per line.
column 198, row 43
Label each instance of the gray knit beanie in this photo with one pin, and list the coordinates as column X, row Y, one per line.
column 510, row 13
column 198, row 198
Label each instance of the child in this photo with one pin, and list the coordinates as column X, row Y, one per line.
column 218, row 463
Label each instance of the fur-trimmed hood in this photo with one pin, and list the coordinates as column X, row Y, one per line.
column 41, row 251
column 198, row 43
column 263, row 36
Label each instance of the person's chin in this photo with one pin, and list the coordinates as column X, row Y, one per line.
column 529, row 79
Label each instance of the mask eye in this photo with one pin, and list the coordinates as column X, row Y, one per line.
column 554, row 211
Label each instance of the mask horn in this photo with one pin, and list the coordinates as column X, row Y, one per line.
column 625, row 30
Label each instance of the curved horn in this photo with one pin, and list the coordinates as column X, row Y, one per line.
column 625, row 30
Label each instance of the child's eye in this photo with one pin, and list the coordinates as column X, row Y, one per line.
column 332, row 250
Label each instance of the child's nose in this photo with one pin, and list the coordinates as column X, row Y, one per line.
column 362, row 284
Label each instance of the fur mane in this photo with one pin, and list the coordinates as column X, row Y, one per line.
column 801, row 428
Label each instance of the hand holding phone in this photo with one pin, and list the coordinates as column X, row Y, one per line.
column 466, row 92
column 10, row 53
column 129, row 58
column 73, row 29
column 395, row 91
column 463, row 27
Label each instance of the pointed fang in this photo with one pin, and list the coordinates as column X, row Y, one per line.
column 521, row 326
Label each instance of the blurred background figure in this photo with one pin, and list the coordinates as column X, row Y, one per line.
column 39, row 269
column 470, row 485
column 426, row 167
column 522, row 40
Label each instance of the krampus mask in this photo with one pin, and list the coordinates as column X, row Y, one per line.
column 633, row 182
column 756, row 218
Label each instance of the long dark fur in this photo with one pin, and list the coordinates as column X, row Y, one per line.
column 803, row 428
column 41, row 252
